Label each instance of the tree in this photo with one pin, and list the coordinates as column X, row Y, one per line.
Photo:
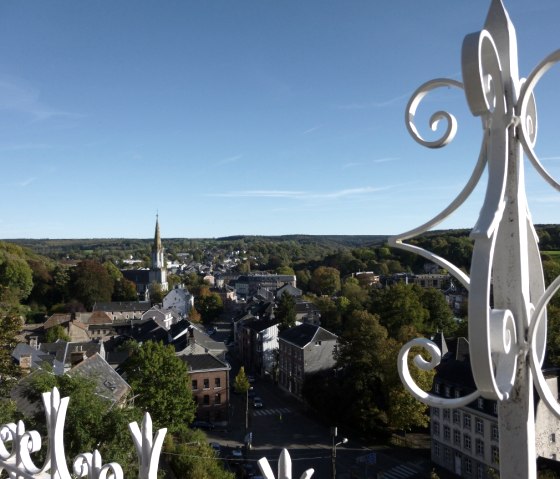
column 90, row 282
column 10, row 325
column 56, row 332
column 161, row 384
column 360, row 358
column 242, row 386
column 91, row 421
column 125, row 290
column 286, row 312
column 16, row 277
column 400, row 305
column 156, row 293
column 208, row 304
column 325, row 280
column 440, row 315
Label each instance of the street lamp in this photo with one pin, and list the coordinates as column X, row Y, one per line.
column 344, row 440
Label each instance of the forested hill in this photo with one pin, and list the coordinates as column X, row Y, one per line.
column 294, row 247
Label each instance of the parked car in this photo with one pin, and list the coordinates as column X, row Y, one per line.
column 202, row 425
column 217, row 448
column 257, row 402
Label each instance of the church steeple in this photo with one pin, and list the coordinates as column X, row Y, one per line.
column 157, row 238
column 158, row 271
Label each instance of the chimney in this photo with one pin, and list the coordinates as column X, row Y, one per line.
column 76, row 357
column 25, row 361
column 34, row 342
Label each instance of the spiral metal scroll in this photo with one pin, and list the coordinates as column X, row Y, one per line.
column 507, row 108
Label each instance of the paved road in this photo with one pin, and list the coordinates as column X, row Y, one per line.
column 284, row 422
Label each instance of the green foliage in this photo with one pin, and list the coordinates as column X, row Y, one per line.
column 191, row 456
column 10, row 325
column 90, row 282
column 56, row 332
column 209, row 305
column 125, row 290
column 241, row 383
column 286, row 312
column 16, row 277
column 161, row 383
column 156, row 293
column 440, row 316
column 400, row 305
column 325, row 281
column 91, row 422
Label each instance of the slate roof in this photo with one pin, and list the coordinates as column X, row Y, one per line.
column 123, row 305
column 305, row 333
column 108, row 383
column 61, row 350
column 56, row 319
column 204, row 362
column 259, row 325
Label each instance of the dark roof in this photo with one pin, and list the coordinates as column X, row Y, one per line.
column 123, row 305
column 306, row 307
column 61, row 350
column 108, row 383
column 137, row 276
column 305, row 333
column 204, row 362
column 260, row 324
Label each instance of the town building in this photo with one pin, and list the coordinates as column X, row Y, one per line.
column 302, row 350
column 465, row 441
column 210, row 386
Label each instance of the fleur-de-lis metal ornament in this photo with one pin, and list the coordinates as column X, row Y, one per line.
column 507, row 296
column 284, row 467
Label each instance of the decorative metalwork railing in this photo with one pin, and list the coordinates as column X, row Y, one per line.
column 17, row 462
column 507, row 296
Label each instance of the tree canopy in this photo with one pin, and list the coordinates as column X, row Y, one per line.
column 161, row 384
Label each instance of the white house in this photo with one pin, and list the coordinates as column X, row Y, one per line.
column 179, row 299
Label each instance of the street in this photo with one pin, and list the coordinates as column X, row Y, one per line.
column 284, row 422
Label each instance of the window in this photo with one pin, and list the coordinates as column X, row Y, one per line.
column 457, row 393
column 218, row 399
column 467, row 421
column 447, row 391
column 495, row 455
column 435, row 411
column 479, row 471
column 207, row 383
column 446, row 433
column 435, row 448
column 436, row 388
column 456, row 417
column 446, row 414
column 206, row 400
column 479, row 444
column 468, row 465
column 446, row 455
column 456, row 437
column 495, row 433
column 480, row 403
column 467, row 442
column 435, row 428
column 553, row 437
column 479, row 426
column 194, row 384
column 495, row 408
column 217, row 383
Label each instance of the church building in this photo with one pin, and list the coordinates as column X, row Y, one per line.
column 156, row 274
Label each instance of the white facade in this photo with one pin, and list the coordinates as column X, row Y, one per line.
column 180, row 300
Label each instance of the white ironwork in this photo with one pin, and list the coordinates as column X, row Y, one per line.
column 16, row 460
column 284, row 467
column 507, row 297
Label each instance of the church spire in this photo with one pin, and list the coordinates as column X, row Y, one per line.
column 157, row 237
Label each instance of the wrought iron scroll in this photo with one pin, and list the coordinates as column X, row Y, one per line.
column 17, row 445
column 506, row 104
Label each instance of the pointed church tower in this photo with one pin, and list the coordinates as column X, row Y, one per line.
column 158, row 271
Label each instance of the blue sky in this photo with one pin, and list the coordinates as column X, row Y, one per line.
column 245, row 116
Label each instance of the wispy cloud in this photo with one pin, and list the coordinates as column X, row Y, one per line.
column 300, row 195
column 230, row 159
column 311, row 130
column 18, row 96
column 27, row 182
column 375, row 104
column 550, row 158
column 351, row 164
column 385, row 160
